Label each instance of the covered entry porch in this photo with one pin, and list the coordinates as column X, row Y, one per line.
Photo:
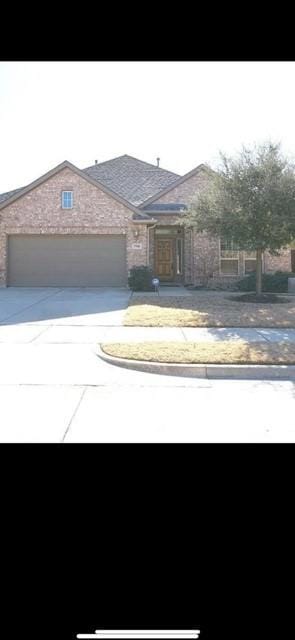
column 167, row 253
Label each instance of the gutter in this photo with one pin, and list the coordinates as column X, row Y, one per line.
column 169, row 212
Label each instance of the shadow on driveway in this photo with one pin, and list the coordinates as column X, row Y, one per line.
column 73, row 306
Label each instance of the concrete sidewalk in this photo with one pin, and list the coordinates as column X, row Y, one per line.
column 194, row 334
column 97, row 334
column 79, row 334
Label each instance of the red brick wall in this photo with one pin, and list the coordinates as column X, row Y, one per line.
column 186, row 191
column 278, row 263
column 203, row 245
column 94, row 211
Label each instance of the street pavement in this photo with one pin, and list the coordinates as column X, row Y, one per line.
column 54, row 388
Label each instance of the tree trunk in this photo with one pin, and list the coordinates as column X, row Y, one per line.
column 258, row 271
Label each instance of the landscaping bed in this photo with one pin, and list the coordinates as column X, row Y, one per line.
column 208, row 309
column 225, row 352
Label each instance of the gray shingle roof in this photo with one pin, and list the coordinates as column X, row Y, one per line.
column 131, row 178
column 8, row 194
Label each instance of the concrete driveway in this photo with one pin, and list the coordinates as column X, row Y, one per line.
column 26, row 313
column 54, row 388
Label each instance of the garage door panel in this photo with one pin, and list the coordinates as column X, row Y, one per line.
column 61, row 261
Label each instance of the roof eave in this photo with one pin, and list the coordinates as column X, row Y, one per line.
column 168, row 212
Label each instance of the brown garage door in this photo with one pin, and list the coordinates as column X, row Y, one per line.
column 66, row 261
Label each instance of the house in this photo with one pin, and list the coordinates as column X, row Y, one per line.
column 74, row 227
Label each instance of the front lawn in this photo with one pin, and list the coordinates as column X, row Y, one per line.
column 225, row 352
column 207, row 309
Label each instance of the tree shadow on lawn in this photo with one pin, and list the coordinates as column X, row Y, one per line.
column 208, row 311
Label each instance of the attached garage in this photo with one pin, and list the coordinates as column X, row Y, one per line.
column 67, row 260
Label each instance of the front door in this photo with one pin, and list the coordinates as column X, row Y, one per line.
column 164, row 259
column 293, row 259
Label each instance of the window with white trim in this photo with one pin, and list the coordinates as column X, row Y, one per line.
column 229, row 257
column 249, row 261
column 67, row 199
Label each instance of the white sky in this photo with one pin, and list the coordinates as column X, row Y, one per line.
column 183, row 112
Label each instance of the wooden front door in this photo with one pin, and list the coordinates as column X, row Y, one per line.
column 164, row 259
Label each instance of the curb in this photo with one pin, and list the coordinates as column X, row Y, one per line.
column 236, row 371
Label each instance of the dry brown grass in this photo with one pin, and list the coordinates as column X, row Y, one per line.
column 207, row 310
column 227, row 352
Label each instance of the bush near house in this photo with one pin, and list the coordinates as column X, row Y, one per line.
column 140, row 278
column 249, row 202
column 277, row 281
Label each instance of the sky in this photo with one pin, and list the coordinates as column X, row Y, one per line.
column 182, row 112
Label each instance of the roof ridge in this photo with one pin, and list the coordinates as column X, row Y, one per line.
column 126, row 155
column 132, row 181
column 150, row 164
column 104, row 162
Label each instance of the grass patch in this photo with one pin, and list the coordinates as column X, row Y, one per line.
column 212, row 309
column 225, row 352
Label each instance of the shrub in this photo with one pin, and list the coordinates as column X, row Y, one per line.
column 277, row 282
column 140, row 278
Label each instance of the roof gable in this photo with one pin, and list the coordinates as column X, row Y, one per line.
column 132, row 182
column 180, row 180
column 18, row 193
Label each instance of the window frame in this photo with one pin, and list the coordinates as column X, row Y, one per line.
column 63, row 199
column 228, row 255
column 247, row 273
column 240, row 256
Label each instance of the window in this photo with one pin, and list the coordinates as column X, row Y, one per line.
column 229, row 267
column 229, row 258
column 249, row 261
column 166, row 231
column 228, row 249
column 250, row 266
column 67, row 199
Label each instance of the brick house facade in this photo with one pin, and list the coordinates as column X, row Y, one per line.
column 94, row 212
column 143, row 209
column 204, row 262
